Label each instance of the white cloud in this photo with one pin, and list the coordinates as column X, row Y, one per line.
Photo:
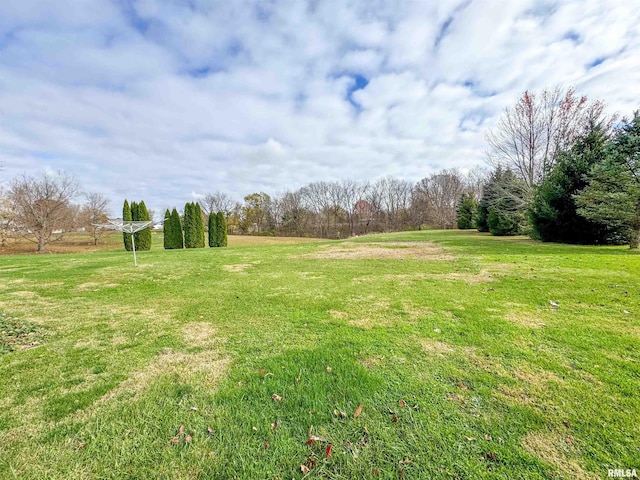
column 167, row 101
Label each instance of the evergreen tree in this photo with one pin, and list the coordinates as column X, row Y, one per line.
column 613, row 194
column 466, row 211
column 143, row 237
column 221, row 230
column 501, row 211
column 177, row 237
column 189, row 225
column 166, row 229
column 126, row 217
column 213, row 230
column 554, row 213
column 199, row 225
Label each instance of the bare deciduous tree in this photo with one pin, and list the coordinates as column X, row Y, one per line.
column 217, row 202
column 95, row 211
column 529, row 134
column 42, row 206
column 437, row 197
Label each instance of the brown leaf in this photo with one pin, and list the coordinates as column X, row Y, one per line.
column 470, row 439
column 318, row 438
column 274, row 426
column 181, row 430
column 261, row 372
column 394, row 418
column 566, row 423
column 266, row 445
column 304, row 469
column 188, row 439
column 487, row 437
column 492, row 457
column 569, row 440
column 329, row 369
column 358, row 411
column 376, row 471
column 416, row 407
column 175, row 440
column 209, row 430
column 462, row 387
column 276, row 397
column 402, row 404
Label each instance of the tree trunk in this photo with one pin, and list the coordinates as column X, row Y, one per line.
column 41, row 245
column 634, row 242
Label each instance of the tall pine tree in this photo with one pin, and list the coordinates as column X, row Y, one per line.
column 143, row 237
column 189, row 234
column 177, row 237
column 166, row 229
column 126, row 217
column 199, row 225
column 221, row 229
column 213, row 230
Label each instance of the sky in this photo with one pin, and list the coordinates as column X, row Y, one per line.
column 168, row 100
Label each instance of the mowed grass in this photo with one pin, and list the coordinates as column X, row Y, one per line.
column 223, row 363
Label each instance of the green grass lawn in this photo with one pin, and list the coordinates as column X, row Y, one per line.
column 223, row 363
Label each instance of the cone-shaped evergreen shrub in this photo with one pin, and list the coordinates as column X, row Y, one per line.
column 213, row 230
column 222, row 230
column 166, row 229
column 126, row 217
column 189, row 234
column 177, row 238
column 143, row 237
column 199, row 225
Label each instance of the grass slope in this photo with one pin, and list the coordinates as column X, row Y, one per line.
column 448, row 340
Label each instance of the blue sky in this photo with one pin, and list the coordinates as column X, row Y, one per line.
column 169, row 100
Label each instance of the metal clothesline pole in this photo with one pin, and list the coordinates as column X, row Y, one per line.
column 130, row 226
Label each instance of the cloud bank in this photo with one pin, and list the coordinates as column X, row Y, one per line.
column 165, row 100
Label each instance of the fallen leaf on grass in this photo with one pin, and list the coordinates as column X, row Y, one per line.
column 316, row 438
column 266, row 445
column 394, row 418
column 209, row 430
column 304, row 469
column 188, row 439
column 329, row 369
column 470, row 439
column 487, row 437
column 402, row 404
column 358, row 411
column 339, row 413
column 375, row 471
column 462, row 386
column 276, row 397
column 327, row 452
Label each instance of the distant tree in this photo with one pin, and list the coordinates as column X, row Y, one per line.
column 213, row 230
column 95, row 211
column 42, row 209
column 177, row 237
column 221, row 226
column 127, row 217
column 6, row 218
column 612, row 197
column 466, row 211
column 214, row 202
column 199, row 225
column 501, row 210
column 255, row 213
column 553, row 212
column 438, row 195
column 529, row 134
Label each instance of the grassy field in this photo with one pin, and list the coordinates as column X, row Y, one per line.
column 409, row 355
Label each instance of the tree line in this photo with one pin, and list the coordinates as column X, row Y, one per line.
column 189, row 232
column 563, row 171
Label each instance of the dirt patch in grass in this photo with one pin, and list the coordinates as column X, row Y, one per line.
column 371, row 362
column 200, row 334
column 236, row 268
column 208, row 365
column 555, row 450
column 94, row 286
column 435, row 347
column 391, row 250
column 525, row 319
